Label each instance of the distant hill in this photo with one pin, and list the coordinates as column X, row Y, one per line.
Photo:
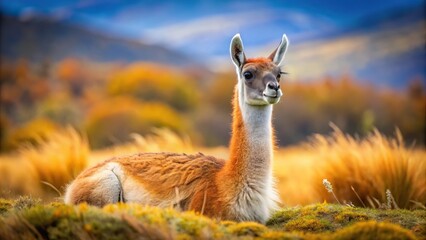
column 386, row 49
column 41, row 38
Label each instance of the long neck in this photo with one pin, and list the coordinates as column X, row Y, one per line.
column 251, row 147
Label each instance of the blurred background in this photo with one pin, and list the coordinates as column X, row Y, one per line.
column 111, row 68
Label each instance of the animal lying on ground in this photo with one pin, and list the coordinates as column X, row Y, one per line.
column 241, row 188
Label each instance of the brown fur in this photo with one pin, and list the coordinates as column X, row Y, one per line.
column 203, row 180
column 258, row 60
column 261, row 66
column 161, row 173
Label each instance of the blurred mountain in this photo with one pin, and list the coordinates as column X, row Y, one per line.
column 386, row 50
column 40, row 38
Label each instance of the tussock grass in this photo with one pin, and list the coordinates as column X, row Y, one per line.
column 160, row 140
column 42, row 169
column 59, row 158
column 132, row 221
column 370, row 166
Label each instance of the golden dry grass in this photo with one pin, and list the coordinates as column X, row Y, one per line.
column 371, row 166
column 293, row 171
column 41, row 169
column 160, row 140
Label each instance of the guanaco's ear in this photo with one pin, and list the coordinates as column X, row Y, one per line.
column 277, row 56
column 237, row 51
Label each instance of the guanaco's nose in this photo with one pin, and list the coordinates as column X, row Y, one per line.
column 273, row 85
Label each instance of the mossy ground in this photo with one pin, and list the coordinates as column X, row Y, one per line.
column 28, row 219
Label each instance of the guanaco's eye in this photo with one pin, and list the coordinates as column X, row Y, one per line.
column 248, row 75
column 279, row 75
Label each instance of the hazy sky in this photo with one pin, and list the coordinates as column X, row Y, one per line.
column 180, row 24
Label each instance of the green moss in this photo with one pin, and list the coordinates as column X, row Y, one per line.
column 103, row 226
column 25, row 202
column 27, row 219
column 247, row 229
column 227, row 223
column 405, row 218
column 5, row 205
column 194, row 225
column 320, row 209
column 348, row 216
column 283, row 236
column 373, row 230
column 308, row 224
column 283, row 216
column 313, row 218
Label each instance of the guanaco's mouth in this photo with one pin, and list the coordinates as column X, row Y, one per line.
column 269, row 96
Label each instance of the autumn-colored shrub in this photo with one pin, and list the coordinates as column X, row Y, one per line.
column 21, row 88
column 70, row 69
column 114, row 120
column 4, row 128
column 61, row 109
column 155, row 82
column 72, row 73
column 363, row 170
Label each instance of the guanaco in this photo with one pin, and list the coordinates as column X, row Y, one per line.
column 240, row 189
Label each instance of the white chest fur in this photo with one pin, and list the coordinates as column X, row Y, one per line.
column 257, row 198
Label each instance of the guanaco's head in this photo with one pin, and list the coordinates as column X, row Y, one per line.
column 258, row 78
